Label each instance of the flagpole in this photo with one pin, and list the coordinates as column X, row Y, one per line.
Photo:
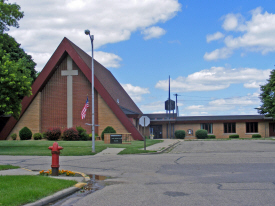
column 87, row 32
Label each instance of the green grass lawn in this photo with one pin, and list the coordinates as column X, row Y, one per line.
column 71, row 148
column 7, row 167
column 18, row 190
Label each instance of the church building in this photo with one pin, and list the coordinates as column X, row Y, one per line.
column 60, row 92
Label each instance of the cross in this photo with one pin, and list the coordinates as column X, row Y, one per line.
column 69, row 73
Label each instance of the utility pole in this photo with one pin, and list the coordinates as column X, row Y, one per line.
column 177, row 103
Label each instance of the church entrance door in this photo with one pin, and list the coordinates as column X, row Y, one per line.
column 271, row 129
column 157, row 131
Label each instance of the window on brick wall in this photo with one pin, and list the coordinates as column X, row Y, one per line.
column 251, row 127
column 229, row 127
column 208, row 127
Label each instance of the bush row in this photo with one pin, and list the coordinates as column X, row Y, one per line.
column 69, row 134
column 202, row 134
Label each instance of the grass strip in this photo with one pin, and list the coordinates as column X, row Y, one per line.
column 71, row 148
column 7, row 167
column 23, row 189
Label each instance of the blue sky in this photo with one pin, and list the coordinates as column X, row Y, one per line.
column 217, row 52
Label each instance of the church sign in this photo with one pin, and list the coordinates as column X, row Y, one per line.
column 116, row 138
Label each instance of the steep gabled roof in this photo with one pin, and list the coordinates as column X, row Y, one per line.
column 105, row 83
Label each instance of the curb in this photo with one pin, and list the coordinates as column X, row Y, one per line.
column 54, row 197
column 60, row 194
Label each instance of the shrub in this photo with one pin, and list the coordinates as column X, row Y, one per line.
column 256, row 136
column 70, row 134
column 201, row 134
column 14, row 136
column 53, row 133
column 37, row 136
column 234, row 136
column 180, row 134
column 108, row 129
column 25, row 133
column 91, row 136
column 44, row 135
column 82, row 134
column 211, row 136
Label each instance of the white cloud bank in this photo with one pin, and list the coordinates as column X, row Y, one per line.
column 254, row 35
column 155, row 107
column 107, row 59
column 235, row 104
column 216, row 78
column 135, row 92
column 46, row 22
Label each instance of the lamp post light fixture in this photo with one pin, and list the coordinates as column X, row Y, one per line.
column 87, row 32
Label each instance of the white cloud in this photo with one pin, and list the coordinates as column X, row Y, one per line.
column 232, row 22
column 46, row 22
column 235, row 105
column 253, row 85
column 40, row 59
column 257, row 34
column 135, row 92
column 108, row 60
column 213, row 37
column 153, row 32
column 215, row 78
column 156, row 107
column 222, row 53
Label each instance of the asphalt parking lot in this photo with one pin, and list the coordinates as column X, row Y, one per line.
column 235, row 172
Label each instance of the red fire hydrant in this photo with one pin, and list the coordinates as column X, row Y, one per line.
column 55, row 158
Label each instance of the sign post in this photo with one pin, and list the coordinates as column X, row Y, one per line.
column 144, row 121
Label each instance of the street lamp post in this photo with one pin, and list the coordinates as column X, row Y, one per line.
column 87, row 32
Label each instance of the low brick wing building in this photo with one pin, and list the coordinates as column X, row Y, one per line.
column 221, row 126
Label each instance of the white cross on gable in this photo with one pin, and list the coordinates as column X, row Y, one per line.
column 69, row 73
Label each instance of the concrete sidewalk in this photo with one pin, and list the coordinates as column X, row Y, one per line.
column 159, row 147
column 110, row 151
column 163, row 146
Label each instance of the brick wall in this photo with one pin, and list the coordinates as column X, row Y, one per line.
column 30, row 119
column 106, row 117
column 185, row 127
column 82, row 87
column 54, row 100
column 218, row 129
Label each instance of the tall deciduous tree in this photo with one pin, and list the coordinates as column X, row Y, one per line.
column 10, row 14
column 267, row 97
column 11, row 47
column 15, row 83
column 16, row 67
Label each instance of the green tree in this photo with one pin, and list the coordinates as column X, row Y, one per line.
column 17, row 71
column 10, row 14
column 11, row 47
column 15, row 83
column 267, row 97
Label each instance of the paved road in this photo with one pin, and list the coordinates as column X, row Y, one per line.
column 236, row 172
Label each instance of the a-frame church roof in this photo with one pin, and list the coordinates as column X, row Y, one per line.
column 105, row 84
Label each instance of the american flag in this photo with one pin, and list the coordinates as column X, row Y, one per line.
column 83, row 113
